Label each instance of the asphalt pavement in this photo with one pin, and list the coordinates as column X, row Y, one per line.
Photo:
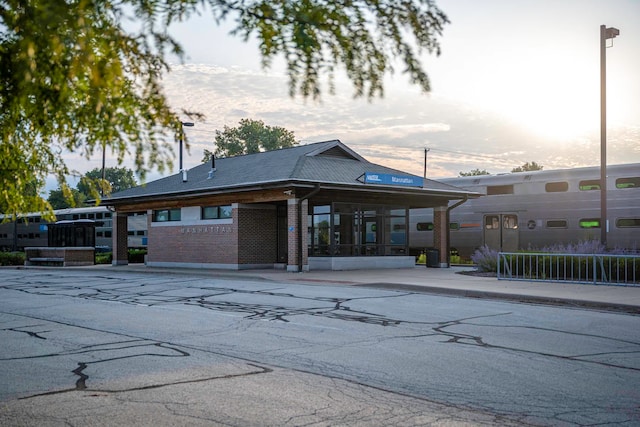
column 457, row 281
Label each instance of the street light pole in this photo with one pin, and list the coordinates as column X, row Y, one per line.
column 189, row 124
column 605, row 33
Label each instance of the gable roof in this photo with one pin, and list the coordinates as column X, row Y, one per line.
column 329, row 162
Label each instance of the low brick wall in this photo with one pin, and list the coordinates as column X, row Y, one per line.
column 65, row 257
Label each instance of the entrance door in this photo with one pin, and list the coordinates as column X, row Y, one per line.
column 501, row 232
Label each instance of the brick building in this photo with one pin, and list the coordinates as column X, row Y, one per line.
column 248, row 212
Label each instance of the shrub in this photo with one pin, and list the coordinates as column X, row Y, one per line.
column 104, row 258
column 486, row 259
column 136, row 256
column 11, row 258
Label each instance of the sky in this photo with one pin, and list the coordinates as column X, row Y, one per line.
column 517, row 81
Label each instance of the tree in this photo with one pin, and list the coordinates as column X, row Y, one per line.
column 528, row 167
column 475, row 172
column 117, row 179
column 85, row 75
column 251, row 136
column 59, row 200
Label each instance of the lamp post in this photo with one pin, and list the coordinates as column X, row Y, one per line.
column 189, row 124
column 605, row 34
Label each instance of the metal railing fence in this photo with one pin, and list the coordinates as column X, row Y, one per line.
column 596, row 269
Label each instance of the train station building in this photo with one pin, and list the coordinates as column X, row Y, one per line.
column 310, row 207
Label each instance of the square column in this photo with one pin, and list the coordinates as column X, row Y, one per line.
column 119, row 239
column 441, row 234
column 297, row 235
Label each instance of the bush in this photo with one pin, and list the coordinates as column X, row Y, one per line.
column 486, row 259
column 135, row 256
column 11, row 258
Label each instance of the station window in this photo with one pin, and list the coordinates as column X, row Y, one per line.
column 141, row 233
column 424, row 226
column 493, row 190
column 557, row 223
column 164, row 215
column 627, row 222
column 131, row 233
column 631, row 182
column 589, row 184
column 556, row 187
column 589, row 223
column 107, row 233
column 216, row 212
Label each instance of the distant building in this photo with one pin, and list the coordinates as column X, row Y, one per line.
column 249, row 211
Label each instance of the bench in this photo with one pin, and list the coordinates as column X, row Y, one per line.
column 65, row 256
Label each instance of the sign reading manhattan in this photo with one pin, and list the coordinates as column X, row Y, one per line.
column 391, row 179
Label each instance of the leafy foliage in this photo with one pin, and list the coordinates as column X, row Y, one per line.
column 528, row 167
column 475, row 172
column 251, row 136
column 58, row 200
column 117, row 179
column 12, row 258
column 85, row 75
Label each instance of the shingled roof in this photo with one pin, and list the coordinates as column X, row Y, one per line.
column 329, row 162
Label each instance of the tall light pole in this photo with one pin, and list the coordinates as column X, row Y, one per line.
column 605, row 34
column 189, row 124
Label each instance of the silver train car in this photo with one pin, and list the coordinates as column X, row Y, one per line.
column 31, row 229
column 533, row 210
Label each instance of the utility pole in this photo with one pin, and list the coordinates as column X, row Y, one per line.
column 426, row 150
column 605, row 34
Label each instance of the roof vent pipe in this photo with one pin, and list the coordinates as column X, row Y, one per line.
column 213, row 166
column 184, row 175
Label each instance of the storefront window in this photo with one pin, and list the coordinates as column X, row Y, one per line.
column 357, row 230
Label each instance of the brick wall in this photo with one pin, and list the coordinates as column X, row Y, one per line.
column 257, row 234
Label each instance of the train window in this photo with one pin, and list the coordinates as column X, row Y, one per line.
column 589, row 184
column 424, row 226
column 589, row 223
column 107, row 214
column 627, row 222
column 631, row 182
column 107, row 233
column 556, row 187
column 492, row 222
column 216, row 212
column 493, row 190
column 510, row 222
column 454, row 226
column 557, row 223
column 163, row 215
column 98, row 233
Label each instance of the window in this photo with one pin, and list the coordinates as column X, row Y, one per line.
column 130, row 233
column 493, row 190
column 556, row 187
column 590, row 223
column 141, row 233
column 454, row 226
column 107, row 233
column 163, row 215
column 589, row 184
column 216, row 212
column 424, row 226
column 631, row 182
column 491, row 222
column 627, row 222
column 557, row 223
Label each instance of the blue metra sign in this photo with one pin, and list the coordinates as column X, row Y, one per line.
column 392, row 179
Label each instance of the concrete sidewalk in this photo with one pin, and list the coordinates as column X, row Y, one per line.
column 447, row 281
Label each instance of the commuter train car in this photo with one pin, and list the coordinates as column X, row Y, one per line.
column 533, row 210
column 31, row 229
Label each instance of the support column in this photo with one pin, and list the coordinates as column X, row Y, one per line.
column 441, row 235
column 297, row 238
column 119, row 239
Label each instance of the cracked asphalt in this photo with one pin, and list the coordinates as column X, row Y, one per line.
column 81, row 347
